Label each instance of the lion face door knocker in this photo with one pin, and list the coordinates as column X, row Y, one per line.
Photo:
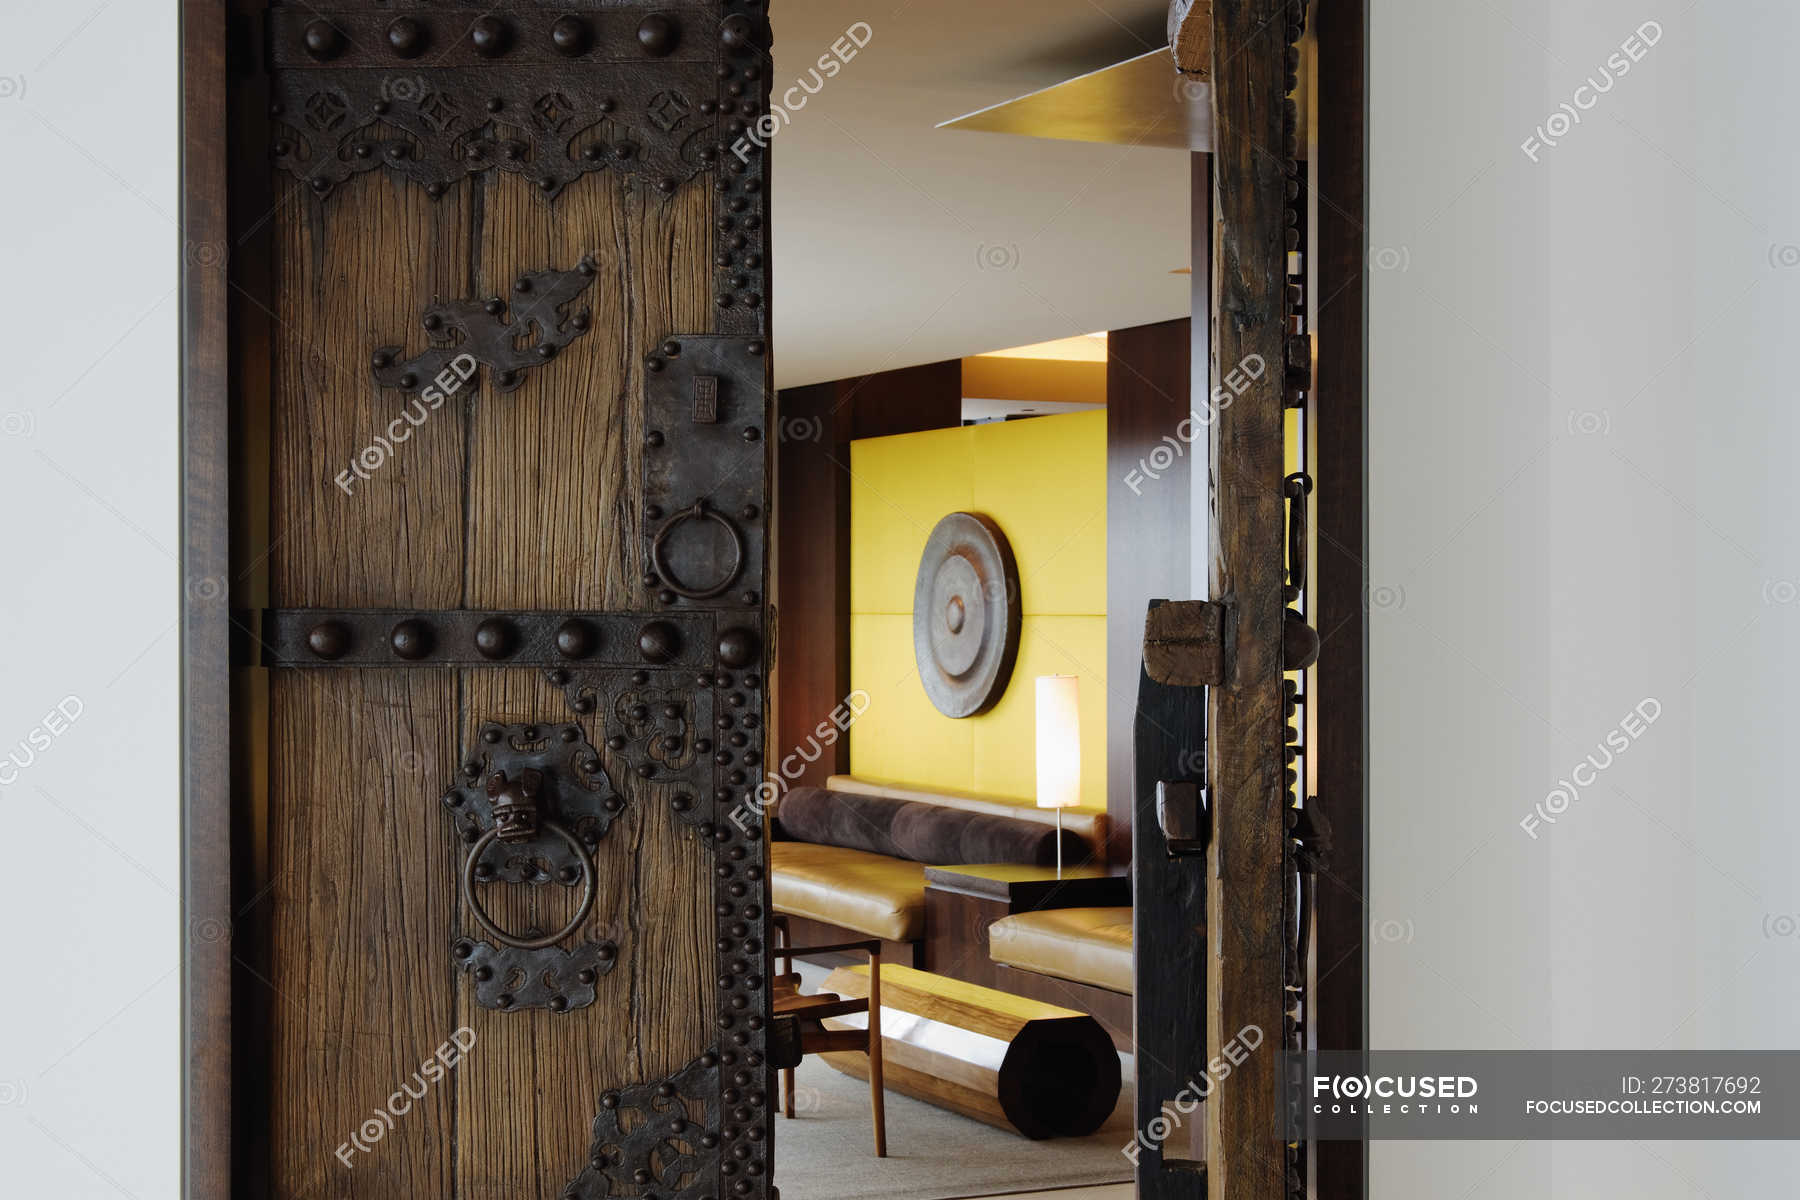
column 532, row 812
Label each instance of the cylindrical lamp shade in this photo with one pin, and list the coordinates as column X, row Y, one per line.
column 1058, row 741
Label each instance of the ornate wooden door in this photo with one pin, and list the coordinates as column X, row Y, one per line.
column 500, row 383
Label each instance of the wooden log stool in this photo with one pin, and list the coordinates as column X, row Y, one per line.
column 1024, row 1065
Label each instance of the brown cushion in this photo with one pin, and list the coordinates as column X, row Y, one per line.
column 1086, row 945
column 926, row 833
column 870, row 893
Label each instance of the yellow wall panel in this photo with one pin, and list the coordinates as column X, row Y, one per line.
column 1005, row 742
column 1043, row 482
column 900, row 736
column 900, row 487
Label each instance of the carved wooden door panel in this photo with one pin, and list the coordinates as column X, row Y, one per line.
column 501, row 383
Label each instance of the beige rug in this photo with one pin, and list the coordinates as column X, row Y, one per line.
column 827, row 1151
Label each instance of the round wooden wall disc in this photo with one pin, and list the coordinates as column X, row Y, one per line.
column 966, row 615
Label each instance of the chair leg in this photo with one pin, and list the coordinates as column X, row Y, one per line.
column 877, row 1098
column 787, row 1093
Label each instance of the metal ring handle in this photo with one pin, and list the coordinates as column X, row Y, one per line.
column 487, row 922
column 698, row 512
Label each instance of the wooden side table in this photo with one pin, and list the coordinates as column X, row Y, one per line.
column 961, row 902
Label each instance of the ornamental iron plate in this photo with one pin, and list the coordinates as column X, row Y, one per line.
column 540, row 326
column 704, row 467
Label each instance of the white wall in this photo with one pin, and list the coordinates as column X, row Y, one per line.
column 1582, row 496
column 88, row 449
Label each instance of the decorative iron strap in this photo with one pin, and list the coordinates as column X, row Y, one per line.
column 365, row 637
column 434, row 95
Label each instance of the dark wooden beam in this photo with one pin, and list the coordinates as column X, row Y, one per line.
column 1169, row 914
column 1184, row 643
column 1149, row 525
column 1245, row 1156
column 1339, row 984
column 815, row 426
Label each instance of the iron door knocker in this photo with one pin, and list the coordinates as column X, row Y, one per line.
column 517, row 819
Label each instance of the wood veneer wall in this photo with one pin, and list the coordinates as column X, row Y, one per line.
column 815, row 427
column 1148, row 526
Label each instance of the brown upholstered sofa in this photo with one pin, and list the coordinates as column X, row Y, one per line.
column 851, row 856
column 1080, row 945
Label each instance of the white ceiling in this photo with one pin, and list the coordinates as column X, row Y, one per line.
column 897, row 243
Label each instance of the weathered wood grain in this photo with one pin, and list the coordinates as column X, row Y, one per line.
column 354, row 273
column 1190, row 37
column 1184, row 643
column 557, row 464
column 356, row 919
column 1244, row 1156
column 529, row 1091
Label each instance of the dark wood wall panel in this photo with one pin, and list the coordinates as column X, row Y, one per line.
column 354, row 273
column 816, row 425
column 354, row 925
column 1149, row 530
column 1340, row 983
column 558, row 463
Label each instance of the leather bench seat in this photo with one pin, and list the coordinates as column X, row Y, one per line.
column 870, row 893
column 1083, row 945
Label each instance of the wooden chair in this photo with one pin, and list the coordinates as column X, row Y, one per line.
column 812, row 1011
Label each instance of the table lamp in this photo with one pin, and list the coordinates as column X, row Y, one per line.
column 1058, row 748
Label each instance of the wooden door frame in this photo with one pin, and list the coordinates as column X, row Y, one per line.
column 1338, row 983
column 207, row 860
